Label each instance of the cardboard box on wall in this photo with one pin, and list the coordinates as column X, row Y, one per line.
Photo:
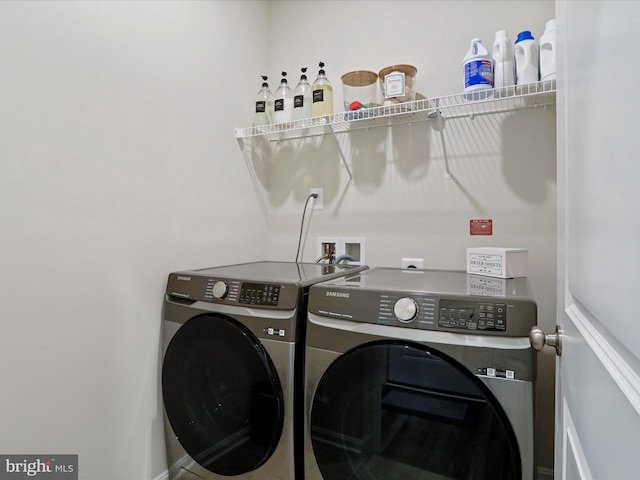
column 498, row 262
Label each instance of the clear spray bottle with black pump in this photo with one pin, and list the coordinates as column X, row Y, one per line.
column 283, row 102
column 264, row 105
column 302, row 98
column 322, row 95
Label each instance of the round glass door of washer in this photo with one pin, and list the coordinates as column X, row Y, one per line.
column 222, row 395
column 397, row 410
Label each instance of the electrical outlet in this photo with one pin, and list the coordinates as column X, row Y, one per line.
column 413, row 263
column 317, row 203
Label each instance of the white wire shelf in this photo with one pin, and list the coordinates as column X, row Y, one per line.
column 499, row 100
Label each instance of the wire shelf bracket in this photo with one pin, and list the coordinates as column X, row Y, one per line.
column 436, row 110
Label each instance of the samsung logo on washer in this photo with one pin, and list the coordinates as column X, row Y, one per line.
column 186, row 279
column 337, row 294
column 58, row 467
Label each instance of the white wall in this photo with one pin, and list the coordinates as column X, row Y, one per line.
column 119, row 165
column 504, row 166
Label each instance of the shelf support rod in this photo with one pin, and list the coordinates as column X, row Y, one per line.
column 439, row 126
column 447, row 174
column 344, row 160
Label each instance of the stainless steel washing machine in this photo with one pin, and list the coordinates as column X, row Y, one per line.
column 417, row 374
column 232, row 371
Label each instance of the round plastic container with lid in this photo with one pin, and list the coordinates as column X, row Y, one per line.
column 391, row 81
column 359, row 89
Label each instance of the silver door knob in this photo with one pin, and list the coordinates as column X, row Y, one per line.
column 539, row 339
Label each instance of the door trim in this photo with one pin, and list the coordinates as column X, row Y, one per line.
column 571, row 444
column 620, row 371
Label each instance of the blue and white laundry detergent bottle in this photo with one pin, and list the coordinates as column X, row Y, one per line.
column 478, row 71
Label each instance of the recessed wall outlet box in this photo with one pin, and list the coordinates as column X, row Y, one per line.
column 318, row 202
column 354, row 247
column 328, row 248
column 498, row 262
column 332, row 248
column 413, row 263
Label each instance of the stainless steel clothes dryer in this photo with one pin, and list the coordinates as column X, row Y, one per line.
column 233, row 369
column 416, row 374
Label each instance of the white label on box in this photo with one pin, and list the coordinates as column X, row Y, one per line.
column 487, row 286
column 394, row 85
column 485, row 263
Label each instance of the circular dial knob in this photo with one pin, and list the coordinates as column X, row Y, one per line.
column 220, row 289
column 405, row 309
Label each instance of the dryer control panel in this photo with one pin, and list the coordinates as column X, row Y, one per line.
column 259, row 294
column 230, row 291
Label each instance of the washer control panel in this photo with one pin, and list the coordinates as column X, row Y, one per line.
column 457, row 314
column 436, row 300
column 425, row 311
column 477, row 315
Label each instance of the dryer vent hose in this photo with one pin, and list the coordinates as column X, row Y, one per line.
column 345, row 257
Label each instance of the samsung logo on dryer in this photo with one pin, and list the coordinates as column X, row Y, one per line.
column 182, row 277
column 337, row 294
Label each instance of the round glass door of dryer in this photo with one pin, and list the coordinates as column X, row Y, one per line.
column 222, row 395
column 394, row 410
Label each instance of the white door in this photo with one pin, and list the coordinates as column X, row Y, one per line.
column 598, row 375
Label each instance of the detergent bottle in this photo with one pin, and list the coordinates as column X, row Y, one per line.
column 478, row 71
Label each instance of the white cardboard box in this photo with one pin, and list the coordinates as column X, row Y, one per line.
column 498, row 262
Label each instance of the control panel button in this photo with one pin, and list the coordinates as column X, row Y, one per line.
column 220, row 289
column 405, row 309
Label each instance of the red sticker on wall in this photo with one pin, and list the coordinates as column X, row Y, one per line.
column 483, row 226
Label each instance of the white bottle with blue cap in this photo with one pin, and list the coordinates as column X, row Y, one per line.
column 526, row 53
